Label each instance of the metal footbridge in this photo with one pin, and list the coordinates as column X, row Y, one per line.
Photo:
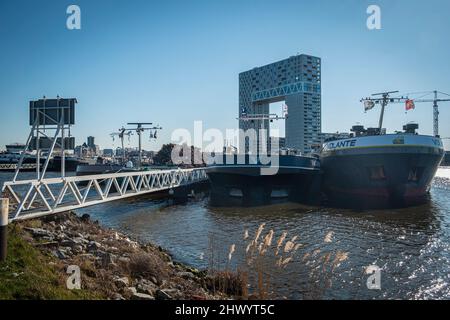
column 51, row 121
column 40, row 197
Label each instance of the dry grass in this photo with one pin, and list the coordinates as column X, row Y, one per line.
column 28, row 273
column 127, row 258
column 230, row 283
column 265, row 253
column 146, row 265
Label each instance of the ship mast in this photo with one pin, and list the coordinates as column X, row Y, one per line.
column 384, row 103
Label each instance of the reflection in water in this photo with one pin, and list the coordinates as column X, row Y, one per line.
column 410, row 245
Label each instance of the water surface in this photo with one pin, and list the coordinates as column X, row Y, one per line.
column 410, row 245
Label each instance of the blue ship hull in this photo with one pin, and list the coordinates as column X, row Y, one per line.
column 380, row 171
column 243, row 182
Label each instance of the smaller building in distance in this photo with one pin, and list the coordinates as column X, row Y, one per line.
column 91, row 142
column 89, row 149
column 108, row 153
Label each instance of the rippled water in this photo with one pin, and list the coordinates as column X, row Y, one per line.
column 411, row 246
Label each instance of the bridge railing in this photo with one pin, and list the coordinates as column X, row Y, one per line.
column 35, row 198
column 13, row 166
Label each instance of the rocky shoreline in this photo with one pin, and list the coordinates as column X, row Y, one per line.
column 112, row 264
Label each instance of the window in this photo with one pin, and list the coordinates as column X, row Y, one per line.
column 376, row 173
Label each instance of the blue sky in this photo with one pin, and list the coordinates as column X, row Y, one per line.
column 174, row 62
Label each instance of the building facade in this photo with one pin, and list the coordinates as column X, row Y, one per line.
column 91, row 142
column 297, row 82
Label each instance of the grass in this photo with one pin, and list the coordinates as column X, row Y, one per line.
column 265, row 257
column 29, row 274
column 147, row 265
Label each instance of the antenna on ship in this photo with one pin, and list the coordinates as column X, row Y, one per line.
column 369, row 103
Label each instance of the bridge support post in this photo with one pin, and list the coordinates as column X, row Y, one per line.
column 180, row 194
column 4, row 228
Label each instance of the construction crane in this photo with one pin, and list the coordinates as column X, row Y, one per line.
column 385, row 99
column 121, row 134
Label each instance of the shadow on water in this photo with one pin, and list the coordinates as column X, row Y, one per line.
column 421, row 216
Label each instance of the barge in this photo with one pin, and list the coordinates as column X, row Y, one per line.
column 243, row 180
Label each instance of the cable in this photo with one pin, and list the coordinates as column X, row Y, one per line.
column 443, row 93
column 421, row 97
column 420, row 92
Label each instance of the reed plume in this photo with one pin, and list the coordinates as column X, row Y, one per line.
column 267, row 242
column 289, row 246
column 258, row 233
column 280, row 242
column 232, row 249
column 329, row 237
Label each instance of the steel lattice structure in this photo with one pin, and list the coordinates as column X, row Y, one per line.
column 36, row 198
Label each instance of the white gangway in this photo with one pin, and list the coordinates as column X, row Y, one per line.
column 40, row 197
column 51, row 121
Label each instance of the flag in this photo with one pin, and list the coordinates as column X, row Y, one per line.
column 368, row 104
column 409, row 104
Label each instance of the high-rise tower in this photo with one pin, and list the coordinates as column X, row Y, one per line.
column 297, row 81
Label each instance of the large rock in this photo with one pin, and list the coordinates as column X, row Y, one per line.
column 187, row 275
column 80, row 240
column 61, row 236
column 130, row 291
column 154, row 280
column 66, row 250
column 121, row 282
column 124, row 260
column 118, row 296
column 106, row 259
column 94, row 246
column 167, row 294
column 59, row 254
column 146, row 286
column 68, row 223
column 78, row 249
column 142, row 296
column 48, row 244
column 72, row 242
column 39, row 233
